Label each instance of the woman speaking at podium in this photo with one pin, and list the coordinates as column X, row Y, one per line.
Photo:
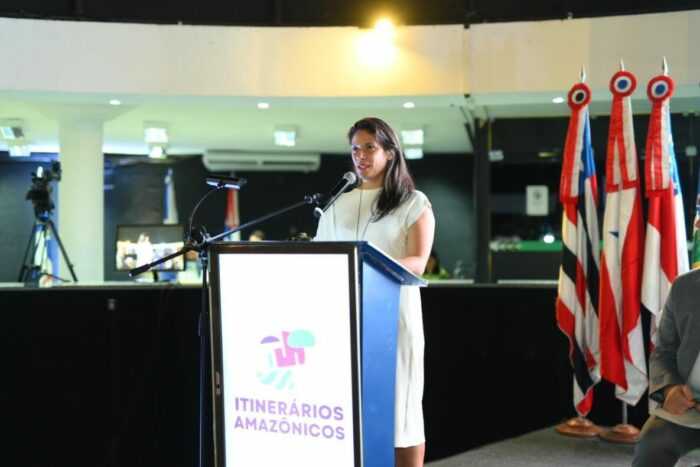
column 386, row 210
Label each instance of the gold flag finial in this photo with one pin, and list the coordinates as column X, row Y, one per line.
column 622, row 65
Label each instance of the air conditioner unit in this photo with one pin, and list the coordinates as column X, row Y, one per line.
column 219, row 160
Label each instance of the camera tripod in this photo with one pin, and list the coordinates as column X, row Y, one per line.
column 36, row 263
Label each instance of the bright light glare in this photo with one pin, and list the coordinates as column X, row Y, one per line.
column 384, row 30
column 548, row 238
column 408, row 105
column 558, row 100
column 376, row 48
column 263, row 105
column 115, row 102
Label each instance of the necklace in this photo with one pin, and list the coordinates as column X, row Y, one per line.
column 357, row 224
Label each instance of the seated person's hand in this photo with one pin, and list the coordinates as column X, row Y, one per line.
column 678, row 399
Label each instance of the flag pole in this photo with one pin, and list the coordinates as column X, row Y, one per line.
column 666, row 217
column 576, row 318
column 580, row 427
column 622, row 433
column 623, row 361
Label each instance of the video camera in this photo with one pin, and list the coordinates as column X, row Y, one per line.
column 40, row 189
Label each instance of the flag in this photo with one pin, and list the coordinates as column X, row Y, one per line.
column 577, row 300
column 622, row 357
column 169, row 204
column 696, row 230
column 231, row 219
column 666, row 246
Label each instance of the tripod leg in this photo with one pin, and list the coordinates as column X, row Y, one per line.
column 41, row 254
column 28, row 253
column 63, row 250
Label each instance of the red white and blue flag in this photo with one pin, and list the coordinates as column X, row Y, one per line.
column 666, row 248
column 622, row 357
column 577, row 300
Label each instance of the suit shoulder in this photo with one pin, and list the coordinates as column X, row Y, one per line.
column 690, row 278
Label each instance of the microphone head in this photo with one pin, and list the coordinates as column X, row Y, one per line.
column 350, row 177
column 224, row 181
column 351, row 180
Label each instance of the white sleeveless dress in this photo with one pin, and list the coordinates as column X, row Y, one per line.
column 348, row 219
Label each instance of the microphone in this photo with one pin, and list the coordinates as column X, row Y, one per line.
column 348, row 181
column 223, row 181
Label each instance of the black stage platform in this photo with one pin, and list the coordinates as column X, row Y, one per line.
column 107, row 375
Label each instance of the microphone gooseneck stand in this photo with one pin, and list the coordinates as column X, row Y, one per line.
column 199, row 240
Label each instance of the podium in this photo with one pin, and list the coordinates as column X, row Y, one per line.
column 303, row 341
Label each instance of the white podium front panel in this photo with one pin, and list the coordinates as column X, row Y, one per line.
column 286, row 323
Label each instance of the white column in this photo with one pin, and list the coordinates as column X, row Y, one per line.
column 80, row 214
column 81, row 199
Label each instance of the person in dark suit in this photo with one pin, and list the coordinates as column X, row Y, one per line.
column 673, row 429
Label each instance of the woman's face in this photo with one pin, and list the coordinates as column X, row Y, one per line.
column 369, row 158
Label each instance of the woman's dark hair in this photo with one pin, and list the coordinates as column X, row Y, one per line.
column 398, row 183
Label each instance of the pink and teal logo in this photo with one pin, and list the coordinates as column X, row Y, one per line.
column 284, row 355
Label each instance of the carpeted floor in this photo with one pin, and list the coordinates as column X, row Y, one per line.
column 548, row 448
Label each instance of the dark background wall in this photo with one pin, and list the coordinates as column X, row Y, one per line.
column 134, row 188
column 134, row 193
column 524, row 141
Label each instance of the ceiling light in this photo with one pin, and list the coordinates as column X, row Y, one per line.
column 285, row 135
column 19, row 150
column 263, row 105
column 496, row 155
column 408, row 105
column 384, row 30
column 413, row 153
column 376, row 48
column 155, row 133
column 11, row 129
column 558, row 100
column 412, row 136
column 115, row 102
column 157, row 152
